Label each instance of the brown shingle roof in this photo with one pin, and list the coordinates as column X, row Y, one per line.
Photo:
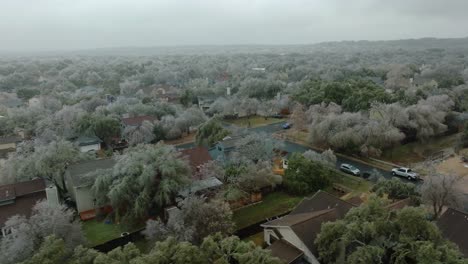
column 454, row 226
column 307, row 218
column 21, row 188
column 286, row 252
column 196, row 156
column 321, row 201
column 308, row 230
column 135, row 121
column 294, row 219
column 25, row 196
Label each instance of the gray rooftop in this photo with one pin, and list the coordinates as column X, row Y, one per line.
column 78, row 172
column 87, row 140
column 200, row 185
column 9, row 139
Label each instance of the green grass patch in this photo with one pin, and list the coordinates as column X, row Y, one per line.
column 358, row 185
column 253, row 121
column 257, row 239
column 273, row 204
column 98, row 232
column 418, row 151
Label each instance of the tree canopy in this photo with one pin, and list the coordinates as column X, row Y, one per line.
column 214, row 249
column 145, row 176
column 210, row 132
column 304, row 176
column 373, row 234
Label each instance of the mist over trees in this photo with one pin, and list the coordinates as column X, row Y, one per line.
column 359, row 98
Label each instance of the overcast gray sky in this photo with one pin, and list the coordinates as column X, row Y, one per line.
column 84, row 24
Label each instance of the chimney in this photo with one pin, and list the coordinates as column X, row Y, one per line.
column 52, row 196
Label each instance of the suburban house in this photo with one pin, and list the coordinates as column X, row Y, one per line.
column 204, row 102
column 88, row 143
column 223, row 149
column 198, row 156
column 291, row 237
column 454, row 226
column 7, row 145
column 9, row 142
column 79, row 183
column 136, row 121
column 19, row 199
column 166, row 95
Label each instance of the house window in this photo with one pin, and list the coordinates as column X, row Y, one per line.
column 219, row 148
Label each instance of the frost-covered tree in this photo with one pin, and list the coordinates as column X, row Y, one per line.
column 143, row 177
column 139, row 134
column 210, row 132
column 191, row 117
column 196, row 219
column 257, row 176
column 327, row 157
column 256, row 147
column 440, row 190
column 298, row 117
column 27, row 234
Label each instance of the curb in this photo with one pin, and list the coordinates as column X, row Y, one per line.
column 301, row 142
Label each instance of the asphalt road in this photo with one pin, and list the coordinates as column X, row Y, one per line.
column 293, row 147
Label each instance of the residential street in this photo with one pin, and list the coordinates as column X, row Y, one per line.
column 293, row 147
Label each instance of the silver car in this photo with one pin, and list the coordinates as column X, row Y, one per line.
column 350, row 169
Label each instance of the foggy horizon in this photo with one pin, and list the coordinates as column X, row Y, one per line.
column 51, row 25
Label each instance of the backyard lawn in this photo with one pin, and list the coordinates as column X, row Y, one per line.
column 98, row 232
column 257, row 239
column 255, row 121
column 273, row 204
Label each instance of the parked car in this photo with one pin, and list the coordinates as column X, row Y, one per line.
column 350, row 169
column 405, row 173
column 287, row 126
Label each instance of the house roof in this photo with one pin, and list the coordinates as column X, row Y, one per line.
column 79, row 171
column 201, row 185
column 454, row 226
column 87, row 140
column 196, row 156
column 321, row 201
column 9, row 139
column 286, row 252
column 137, row 120
column 307, row 218
column 20, row 198
column 306, row 226
column 21, row 188
column 294, row 219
